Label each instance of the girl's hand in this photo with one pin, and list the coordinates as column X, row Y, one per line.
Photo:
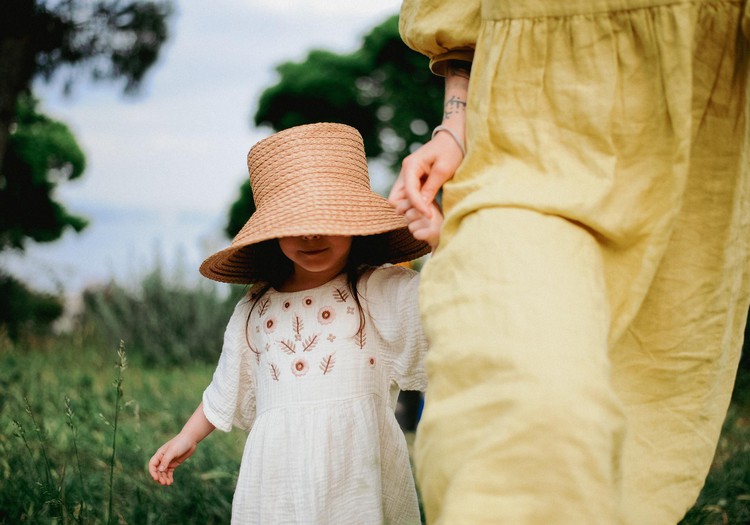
column 175, row 451
column 170, row 456
column 423, row 227
column 424, row 172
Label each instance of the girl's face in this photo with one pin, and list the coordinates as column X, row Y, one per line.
column 317, row 258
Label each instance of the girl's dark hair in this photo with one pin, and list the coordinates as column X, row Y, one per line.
column 271, row 268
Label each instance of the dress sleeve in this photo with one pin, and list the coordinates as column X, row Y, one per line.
column 392, row 303
column 229, row 400
column 441, row 29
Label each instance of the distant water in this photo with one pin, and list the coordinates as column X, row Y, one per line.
column 119, row 244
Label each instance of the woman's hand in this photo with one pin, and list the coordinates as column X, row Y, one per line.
column 424, row 172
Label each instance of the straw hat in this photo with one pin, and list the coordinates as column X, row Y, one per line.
column 309, row 180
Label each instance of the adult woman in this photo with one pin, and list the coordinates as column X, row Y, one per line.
column 586, row 306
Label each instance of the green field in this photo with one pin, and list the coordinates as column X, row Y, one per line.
column 73, row 450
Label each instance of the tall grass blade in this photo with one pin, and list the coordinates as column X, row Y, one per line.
column 122, row 363
column 74, row 433
column 42, row 447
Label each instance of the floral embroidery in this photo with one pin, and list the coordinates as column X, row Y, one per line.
column 331, row 337
column 297, row 326
column 307, row 301
column 287, row 304
column 264, row 304
column 350, row 310
column 360, row 338
column 372, row 361
column 326, row 315
column 326, row 364
column 299, row 367
column 270, row 325
column 287, row 346
column 275, row 372
column 340, row 295
column 310, row 343
column 255, row 351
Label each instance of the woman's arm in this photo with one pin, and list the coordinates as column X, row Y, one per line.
column 425, row 171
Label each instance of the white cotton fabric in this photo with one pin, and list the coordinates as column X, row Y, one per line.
column 318, row 397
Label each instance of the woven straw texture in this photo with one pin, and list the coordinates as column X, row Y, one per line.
column 312, row 180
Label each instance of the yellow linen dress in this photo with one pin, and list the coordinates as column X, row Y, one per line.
column 586, row 306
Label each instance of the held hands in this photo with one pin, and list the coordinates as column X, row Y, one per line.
column 422, row 227
column 170, row 456
column 425, row 171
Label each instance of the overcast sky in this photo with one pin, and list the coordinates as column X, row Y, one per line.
column 163, row 167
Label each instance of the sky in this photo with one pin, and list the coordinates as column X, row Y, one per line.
column 163, row 167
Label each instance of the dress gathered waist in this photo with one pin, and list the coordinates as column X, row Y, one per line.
column 499, row 10
column 309, row 391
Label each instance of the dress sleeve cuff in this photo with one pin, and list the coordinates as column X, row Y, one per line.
column 438, row 62
column 214, row 417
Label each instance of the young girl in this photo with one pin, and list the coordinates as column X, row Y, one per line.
column 315, row 355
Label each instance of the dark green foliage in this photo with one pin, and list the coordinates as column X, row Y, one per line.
column 322, row 89
column 383, row 89
column 108, row 39
column 24, row 311
column 163, row 322
column 241, row 210
column 41, row 154
column 741, row 392
column 104, row 39
column 725, row 497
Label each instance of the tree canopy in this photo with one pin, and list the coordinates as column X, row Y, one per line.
column 115, row 40
column 384, row 89
column 41, row 153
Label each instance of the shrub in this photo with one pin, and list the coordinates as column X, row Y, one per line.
column 163, row 322
column 24, row 311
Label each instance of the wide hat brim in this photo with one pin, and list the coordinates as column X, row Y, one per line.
column 312, row 180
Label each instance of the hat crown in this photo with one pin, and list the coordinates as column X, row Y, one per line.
column 312, row 179
column 308, row 162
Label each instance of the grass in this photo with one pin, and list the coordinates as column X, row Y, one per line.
column 79, row 421
column 77, row 427
column 725, row 498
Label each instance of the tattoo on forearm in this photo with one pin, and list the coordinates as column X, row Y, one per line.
column 453, row 106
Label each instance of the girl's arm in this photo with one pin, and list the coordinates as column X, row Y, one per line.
column 175, row 451
column 425, row 171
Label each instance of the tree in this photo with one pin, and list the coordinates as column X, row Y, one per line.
column 383, row 89
column 107, row 39
column 41, row 153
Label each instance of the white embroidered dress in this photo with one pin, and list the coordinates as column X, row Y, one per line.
column 318, row 397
